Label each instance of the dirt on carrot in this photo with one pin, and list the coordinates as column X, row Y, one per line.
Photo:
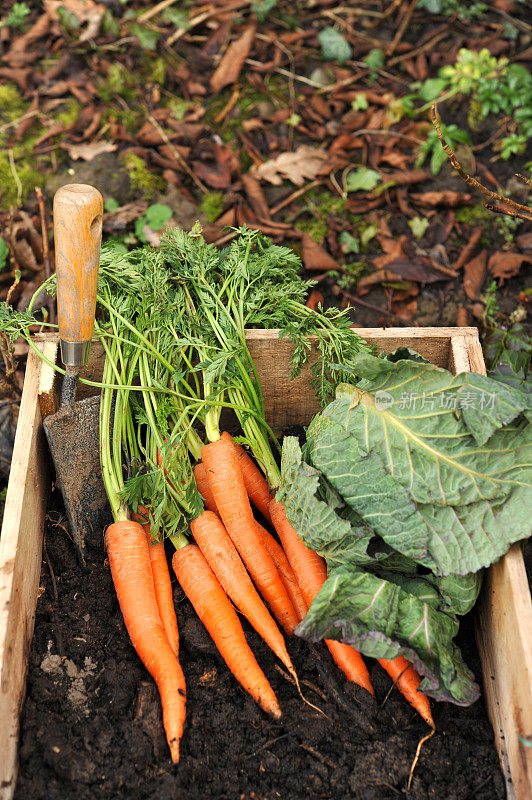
column 91, row 726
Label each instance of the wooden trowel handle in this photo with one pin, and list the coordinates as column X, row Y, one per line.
column 78, row 213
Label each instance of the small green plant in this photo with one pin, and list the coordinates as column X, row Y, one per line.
column 212, row 206
column 156, row 216
column 495, row 86
column 111, row 204
column 4, row 253
column 418, row 226
column 349, row 243
column 375, row 61
column 334, row 46
column 147, row 37
column 362, row 179
column 463, row 9
column 360, row 103
column 432, row 146
column 16, row 17
column 262, row 8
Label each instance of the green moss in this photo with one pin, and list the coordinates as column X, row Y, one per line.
column 12, row 106
column 153, row 69
column 478, row 215
column 320, row 206
column 212, row 206
column 118, row 81
column 70, row 113
column 28, row 177
column 146, row 183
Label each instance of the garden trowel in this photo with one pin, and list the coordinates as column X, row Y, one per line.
column 72, row 432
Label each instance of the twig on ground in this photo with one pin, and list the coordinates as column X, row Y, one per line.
column 402, row 27
column 15, row 176
column 294, row 196
column 45, row 248
column 515, row 210
column 177, row 155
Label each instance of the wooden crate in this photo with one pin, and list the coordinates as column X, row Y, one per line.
column 504, row 629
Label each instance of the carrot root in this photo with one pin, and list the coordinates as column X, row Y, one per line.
column 311, row 573
column 127, row 550
column 227, row 483
column 162, row 583
column 219, row 617
column 407, row 680
column 222, row 557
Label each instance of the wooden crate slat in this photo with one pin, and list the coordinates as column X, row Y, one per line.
column 20, row 567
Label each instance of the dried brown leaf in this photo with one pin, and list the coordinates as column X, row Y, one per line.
column 303, row 163
column 229, row 67
column 474, row 274
column 506, row 265
column 446, row 198
column 89, row 150
column 315, row 258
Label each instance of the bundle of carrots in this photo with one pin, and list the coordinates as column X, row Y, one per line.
column 172, row 324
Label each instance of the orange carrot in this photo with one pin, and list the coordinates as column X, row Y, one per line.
column 219, row 617
column 227, row 483
column 256, row 484
column 127, row 549
column 311, row 573
column 407, row 680
column 162, row 582
column 285, row 571
column 222, row 557
column 204, row 487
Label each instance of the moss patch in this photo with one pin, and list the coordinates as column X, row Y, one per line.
column 212, row 206
column 28, row 177
column 12, row 106
column 146, row 183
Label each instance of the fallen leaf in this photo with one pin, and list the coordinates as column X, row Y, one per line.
column 303, row 163
column 315, row 299
column 474, row 274
column 506, row 265
column 524, row 241
column 216, row 166
column 85, row 11
column 229, row 67
column 407, row 311
column 447, row 198
column 115, row 221
column 256, row 196
column 468, row 249
column 21, row 51
column 90, row 150
column 315, row 258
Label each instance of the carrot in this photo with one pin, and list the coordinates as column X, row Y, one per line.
column 285, row 571
column 407, row 680
column 256, row 484
column 311, row 572
column 162, row 582
column 204, row 487
column 227, row 483
column 127, row 549
column 222, row 557
column 219, row 617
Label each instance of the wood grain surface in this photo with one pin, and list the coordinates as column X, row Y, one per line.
column 78, row 214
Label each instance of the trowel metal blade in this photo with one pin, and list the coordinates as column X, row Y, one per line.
column 73, row 437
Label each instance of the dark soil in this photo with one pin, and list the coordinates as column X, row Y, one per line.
column 91, row 725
